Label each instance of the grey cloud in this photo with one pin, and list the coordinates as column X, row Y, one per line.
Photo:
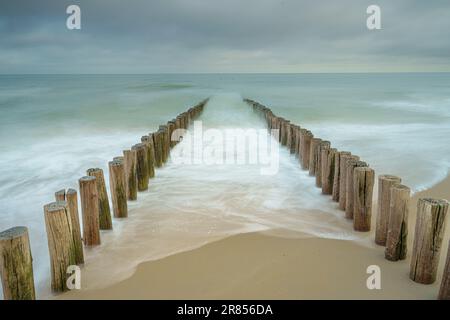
column 222, row 36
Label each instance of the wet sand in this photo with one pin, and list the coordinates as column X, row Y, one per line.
column 268, row 265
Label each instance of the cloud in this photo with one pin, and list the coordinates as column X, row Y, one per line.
column 223, row 36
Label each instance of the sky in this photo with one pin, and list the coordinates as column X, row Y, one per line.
column 233, row 36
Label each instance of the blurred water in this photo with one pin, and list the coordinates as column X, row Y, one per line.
column 52, row 128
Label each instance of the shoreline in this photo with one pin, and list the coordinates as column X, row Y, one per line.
column 261, row 265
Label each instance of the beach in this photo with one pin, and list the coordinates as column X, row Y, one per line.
column 196, row 205
column 266, row 266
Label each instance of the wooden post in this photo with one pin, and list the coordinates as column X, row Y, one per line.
column 164, row 142
column 350, row 191
column 397, row 230
column 322, row 146
column 281, row 126
column 285, row 132
column 158, row 148
column 274, row 126
column 337, row 174
column 364, row 178
column 171, row 126
column 328, row 158
column 60, row 195
column 313, row 155
column 103, row 202
column 298, row 147
column 152, row 156
column 60, row 243
column 117, row 185
column 90, row 210
column 385, row 183
column 148, row 142
column 430, row 223
column 16, row 265
column 293, row 138
column 288, row 135
column 444, row 292
column 343, row 178
column 141, row 166
column 129, row 162
column 305, row 145
column 72, row 206
column 178, row 125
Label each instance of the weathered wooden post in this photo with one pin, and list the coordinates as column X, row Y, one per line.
column 305, row 145
column 171, row 126
column 117, row 185
column 343, row 178
column 152, row 156
column 364, row 178
column 337, row 174
column 385, row 183
column 322, row 146
column 328, row 158
column 430, row 223
column 141, row 166
column 90, row 210
column 178, row 125
column 294, row 138
column 281, row 125
column 60, row 243
column 298, row 147
column 350, row 191
column 444, row 292
column 288, row 135
column 269, row 118
column 164, row 143
column 313, row 155
column 103, row 202
column 60, row 195
column 72, row 206
column 274, row 126
column 158, row 148
column 397, row 229
column 148, row 143
column 16, row 265
column 129, row 162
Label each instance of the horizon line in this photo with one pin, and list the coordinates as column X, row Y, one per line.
column 224, row 73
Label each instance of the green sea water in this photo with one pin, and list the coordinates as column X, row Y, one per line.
column 54, row 127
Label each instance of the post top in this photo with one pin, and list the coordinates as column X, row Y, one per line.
column 86, row 178
column 360, row 169
column 12, row 233
column 55, row 206
column 434, row 202
column 71, row 191
column 92, row 170
column 137, row 146
column 116, row 163
column 389, row 177
column 400, row 187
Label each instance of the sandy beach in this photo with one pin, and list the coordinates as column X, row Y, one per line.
column 264, row 266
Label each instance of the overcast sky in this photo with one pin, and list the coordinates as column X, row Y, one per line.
column 158, row 36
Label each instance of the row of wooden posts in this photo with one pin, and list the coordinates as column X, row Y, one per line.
column 350, row 182
column 128, row 174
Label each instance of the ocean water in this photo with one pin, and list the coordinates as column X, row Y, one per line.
column 53, row 128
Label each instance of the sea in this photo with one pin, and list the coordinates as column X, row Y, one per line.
column 54, row 127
